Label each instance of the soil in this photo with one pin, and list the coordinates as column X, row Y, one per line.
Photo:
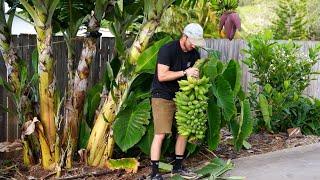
column 260, row 143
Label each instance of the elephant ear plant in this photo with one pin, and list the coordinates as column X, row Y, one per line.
column 227, row 103
column 227, row 106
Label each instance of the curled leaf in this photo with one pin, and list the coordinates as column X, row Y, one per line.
column 130, row 165
column 29, row 127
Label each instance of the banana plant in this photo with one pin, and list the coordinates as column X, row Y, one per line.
column 184, row 12
column 101, row 141
column 229, row 20
column 153, row 11
column 7, row 50
column 41, row 13
column 19, row 84
column 78, row 79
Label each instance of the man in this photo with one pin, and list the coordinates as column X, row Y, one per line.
column 175, row 61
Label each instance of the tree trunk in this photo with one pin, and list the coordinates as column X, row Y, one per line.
column 101, row 142
column 142, row 40
column 78, row 92
column 80, row 87
column 46, row 93
column 100, row 145
column 11, row 60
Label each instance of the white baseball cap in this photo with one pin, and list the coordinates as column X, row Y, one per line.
column 195, row 34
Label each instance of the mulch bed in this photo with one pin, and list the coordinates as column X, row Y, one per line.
column 261, row 143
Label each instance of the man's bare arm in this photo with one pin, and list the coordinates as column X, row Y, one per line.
column 164, row 74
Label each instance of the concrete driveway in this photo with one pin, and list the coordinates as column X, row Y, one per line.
column 299, row 163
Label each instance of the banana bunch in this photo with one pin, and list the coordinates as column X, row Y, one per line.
column 230, row 4
column 191, row 103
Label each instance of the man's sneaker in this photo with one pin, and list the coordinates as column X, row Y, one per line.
column 185, row 173
column 156, row 177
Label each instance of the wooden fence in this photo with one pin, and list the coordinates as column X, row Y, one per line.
column 26, row 43
column 233, row 50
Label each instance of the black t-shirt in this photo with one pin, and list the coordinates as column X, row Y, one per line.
column 172, row 55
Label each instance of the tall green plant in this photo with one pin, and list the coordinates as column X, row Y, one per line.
column 184, row 12
column 224, row 98
column 41, row 13
column 101, row 141
column 291, row 22
column 283, row 72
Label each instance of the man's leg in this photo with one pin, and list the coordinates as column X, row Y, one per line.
column 155, row 152
column 179, row 151
column 162, row 112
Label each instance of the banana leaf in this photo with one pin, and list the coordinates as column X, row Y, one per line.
column 130, row 165
column 148, row 59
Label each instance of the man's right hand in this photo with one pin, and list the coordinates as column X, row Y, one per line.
column 194, row 72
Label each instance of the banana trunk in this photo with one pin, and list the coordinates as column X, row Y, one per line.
column 46, row 90
column 80, row 86
column 70, row 61
column 28, row 158
column 142, row 40
column 11, row 60
column 78, row 92
column 100, row 144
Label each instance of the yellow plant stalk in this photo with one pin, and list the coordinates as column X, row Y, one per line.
column 42, row 18
column 98, row 139
column 142, row 40
column 78, row 92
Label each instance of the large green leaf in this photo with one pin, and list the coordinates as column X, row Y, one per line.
column 128, row 164
column 264, row 107
column 100, row 8
column 129, row 126
column 148, row 59
column 143, row 80
column 243, row 125
column 146, row 141
column 214, row 121
column 233, row 75
column 210, row 69
column 225, row 97
column 215, row 168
